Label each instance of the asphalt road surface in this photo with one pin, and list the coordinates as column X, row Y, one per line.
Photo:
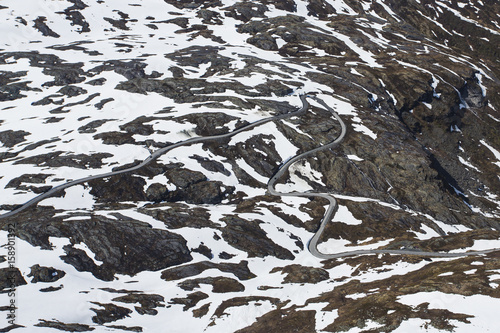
column 330, row 212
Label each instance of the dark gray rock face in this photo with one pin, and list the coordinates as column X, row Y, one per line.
column 190, row 301
column 199, row 55
column 10, row 278
column 41, row 26
column 91, row 126
column 245, row 11
column 194, row 188
column 124, row 246
column 74, row 15
column 184, row 178
column 68, row 327
column 156, row 192
column 302, row 274
column 118, row 188
column 249, row 237
column 240, row 270
column 219, row 284
column 205, row 192
column 132, row 247
column 45, row 274
column 110, row 313
column 288, row 5
column 10, row 89
column 320, row 9
column 148, row 302
column 297, row 34
column 209, row 16
column 58, row 159
column 205, row 250
column 179, row 215
column 210, row 165
column 193, row 4
column 11, row 138
column 209, row 124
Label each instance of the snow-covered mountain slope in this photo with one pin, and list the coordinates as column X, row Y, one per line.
column 194, row 241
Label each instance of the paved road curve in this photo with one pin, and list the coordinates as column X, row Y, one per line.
column 330, row 212
column 153, row 157
column 332, row 207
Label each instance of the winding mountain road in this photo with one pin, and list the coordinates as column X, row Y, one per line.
column 330, row 212
column 332, row 207
column 151, row 158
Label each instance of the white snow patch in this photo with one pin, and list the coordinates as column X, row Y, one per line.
column 493, row 150
column 355, row 158
column 342, row 245
column 483, row 309
column 344, row 215
column 468, row 164
column 75, row 197
column 365, row 130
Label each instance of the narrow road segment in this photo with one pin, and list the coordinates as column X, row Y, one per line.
column 330, row 211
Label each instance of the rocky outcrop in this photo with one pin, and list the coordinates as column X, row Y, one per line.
column 205, row 250
column 74, row 327
column 124, row 247
column 193, row 187
column 59, row 159
column 11, row 138
column 290, row 320
column 148, row 302
column 110, row 313
column 41, row 26
column 241, row 301
column 74, row 15
column 190, row 301
column 297, row 34
column 247, row 236
column 320, row 8
column 205, row 192
column 210, row 123
column 179, row 215
column 91, row 126
column 45, row 274
column 193, row 4
column 240, row 270
column 219, row 284
column 11, row 278
column 302, row 274
column 10, row 89
column 118, row 188
column 211, row 165
column 245, row 11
